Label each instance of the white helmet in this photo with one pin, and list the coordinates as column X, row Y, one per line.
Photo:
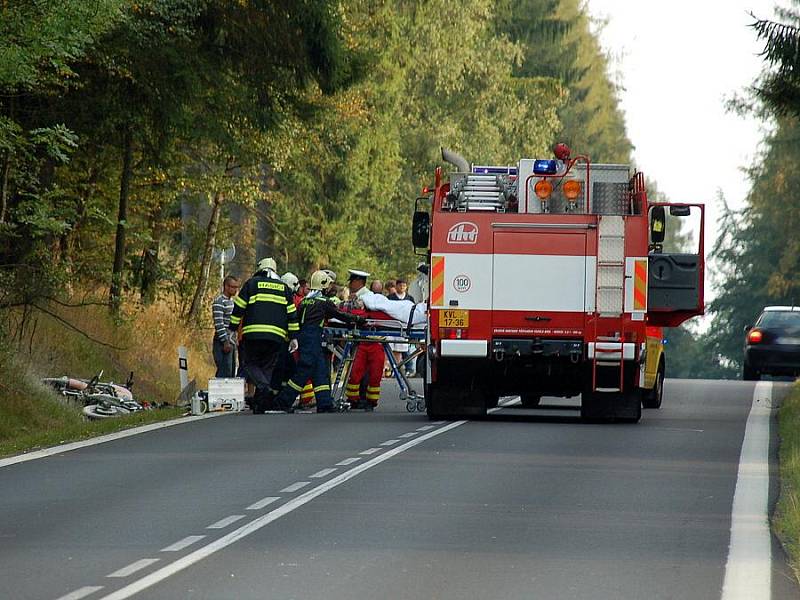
column 267, row 264
column 331, row 275
column 291, row 280
column 319, row 280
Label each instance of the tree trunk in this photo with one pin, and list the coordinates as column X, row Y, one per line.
column 5, row 170
column 205, row 265
column 150, row 264
column 115, row 295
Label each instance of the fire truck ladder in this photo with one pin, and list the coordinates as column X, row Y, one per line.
column 609, row 299
column 480, row 192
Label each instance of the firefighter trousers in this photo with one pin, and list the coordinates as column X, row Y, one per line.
column 260, row 361
column 368, row 361
column 312, row 365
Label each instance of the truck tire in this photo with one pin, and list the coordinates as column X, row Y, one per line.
column 431, row 404
column 530, row 400
column 652, row 398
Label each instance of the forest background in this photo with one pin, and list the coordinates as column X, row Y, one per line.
column 138, row 137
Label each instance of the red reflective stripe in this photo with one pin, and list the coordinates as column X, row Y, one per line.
column 640, row 285
column 437, row 280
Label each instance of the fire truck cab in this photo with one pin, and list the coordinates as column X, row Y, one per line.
column 548, row 278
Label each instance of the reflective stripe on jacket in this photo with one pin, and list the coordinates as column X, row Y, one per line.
column 266, row 308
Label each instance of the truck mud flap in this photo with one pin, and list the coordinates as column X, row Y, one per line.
column 604, row 407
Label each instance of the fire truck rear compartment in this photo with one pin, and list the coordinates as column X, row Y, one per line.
column 536, row 367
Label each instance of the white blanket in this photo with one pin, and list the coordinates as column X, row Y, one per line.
column 399, row 310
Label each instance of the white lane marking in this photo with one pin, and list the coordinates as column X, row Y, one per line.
column 81, row 593
column 408, row 435
column 748, row 570
column 222, row 523
column 256, row 524
column 369, row 451
column 348, row 461
column 295, row 486
column 133, row 567
column 426, row 427
column 323, row 473
column 263, row 502
column 390, row 442
column 185, row 542
column 102, row 439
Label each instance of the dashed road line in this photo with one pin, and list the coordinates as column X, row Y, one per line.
column 81, row 593
column 295, row 486
column 323, row 473
column 256, row 524
column 409, row 434
column 263, row 502
column 348, row 461
column 390, row 442
column 426, row 427
column 369, row 451
column 222, row 523
column 133, row 567
column 184, row 543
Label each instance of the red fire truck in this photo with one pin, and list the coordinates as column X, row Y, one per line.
column 548, row 278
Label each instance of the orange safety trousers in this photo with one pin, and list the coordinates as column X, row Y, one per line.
column 368, row 360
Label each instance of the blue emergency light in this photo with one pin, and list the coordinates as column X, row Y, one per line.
column 545, row 167
column 493, row 170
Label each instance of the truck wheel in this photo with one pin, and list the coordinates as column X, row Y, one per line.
column 431, row 402
column 652, row 398
column 749, row 373
column 530, row 400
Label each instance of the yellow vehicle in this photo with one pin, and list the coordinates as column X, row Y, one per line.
column 654, row 368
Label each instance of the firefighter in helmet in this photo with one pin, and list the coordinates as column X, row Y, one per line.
column 266, row 307
column 314, row 310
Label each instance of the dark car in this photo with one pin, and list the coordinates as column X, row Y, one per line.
column 772, row 345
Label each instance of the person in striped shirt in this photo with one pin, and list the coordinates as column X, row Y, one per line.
column 223, row 350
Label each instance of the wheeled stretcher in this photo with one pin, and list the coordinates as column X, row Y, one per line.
column 343, row 343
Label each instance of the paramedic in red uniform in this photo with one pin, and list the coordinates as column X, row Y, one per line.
column 369, row 355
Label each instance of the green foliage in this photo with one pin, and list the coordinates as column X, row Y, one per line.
column 757, row 252
column 779, row 87
column 41, row 39
column 787, row 514
column 322, row 119
column 562, row 33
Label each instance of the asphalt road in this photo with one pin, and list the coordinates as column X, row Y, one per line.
column 524, row 504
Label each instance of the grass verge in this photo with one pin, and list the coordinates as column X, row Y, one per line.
column 787, row 515
column 32, row 416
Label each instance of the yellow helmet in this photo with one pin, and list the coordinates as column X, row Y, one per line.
column 320, row 280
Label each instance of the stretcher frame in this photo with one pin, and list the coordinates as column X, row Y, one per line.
column 385, row 332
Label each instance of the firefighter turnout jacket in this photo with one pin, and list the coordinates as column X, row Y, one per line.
column 266, row 307
column 316, row 309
